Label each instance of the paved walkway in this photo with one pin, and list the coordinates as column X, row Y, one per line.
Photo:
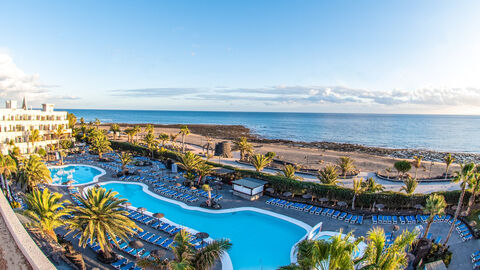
column 11, row 258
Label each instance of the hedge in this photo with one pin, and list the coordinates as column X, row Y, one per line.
column 390, row 199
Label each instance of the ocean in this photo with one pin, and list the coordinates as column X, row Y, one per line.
column 450, row 133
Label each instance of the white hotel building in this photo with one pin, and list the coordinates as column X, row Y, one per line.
column 17, row 124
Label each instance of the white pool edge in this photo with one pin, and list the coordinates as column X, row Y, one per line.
column 226, row 261
column 95, row 179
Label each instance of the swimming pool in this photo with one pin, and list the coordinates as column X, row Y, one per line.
column 80, row 174
column 260, row 240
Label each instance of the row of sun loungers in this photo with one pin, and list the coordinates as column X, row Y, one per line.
column 316, row 210
column 175, row 194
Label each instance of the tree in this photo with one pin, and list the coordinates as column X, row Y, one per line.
column 59, row 133
column 8, row 166
column 149, row 128
column 136, row 131
column 379, row 257
column 186, row 257
column 409, row 185
column 189, row 161
column 72, row 120
column 333, row 254
column 346, row 165
column 208, row 189
column 184, row 131
column 115, row 128
column 125, row 159
column 288, row 171
column 358, row 189
column 65, row 144
column 260, row 161
column 328, row 175
column 448, row 159
column 435, row 206
column 244, row 147
column 417, row 163
column 203, row 169
column 34, row 137
column 99, row 215
column 151, row 142
column 46, row 210
column 173, row 139
column 163, row 138
column 100, row 144
column 402, row 167
column 463, row 176
column 97, row 122
column 33, row 172
column 474, row 188
column 130, row 133
column 372, row 186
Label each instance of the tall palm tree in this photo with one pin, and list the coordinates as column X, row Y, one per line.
column 125, row 159
column 72, row 120
column 208, row 189
column 151, row 142
column 417, row 163
column 448, row 159
column 463, row 176
column 149, row 128
column 8, row 166
column 346, row 165
column 46, row 210
column 358, row 189
column 34, row 137
column 435, row 205
column 33, row 172
column 115, row 128
column 288, row 171
column 65, row 145
column 100, row 215
column 189, row 161
column 97, row 122
column 100, row 144
column 184, row 131
column 186, row 257
column 328, row 175
column 372, row 186
column 163, row 138
column 173, row 139
column 474, row 188
column 409, row 185
column 203, row 169
column 59, row 133
column 130, row 133
column 244, row 146
column 378, row 257
column 260, row 161
column 136, row 131
column 333, row 254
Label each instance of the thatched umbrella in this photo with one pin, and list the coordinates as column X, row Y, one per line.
column 418, row 206
column 127, row 204
column 287, row 194
column 307, row 196
column 158, row 215
column 323, row 199
column 270, row 190
column 202, row 235
column 380, row 206
column 159, row 253
column 141, row 209
column 342, row 203
column 135, row 244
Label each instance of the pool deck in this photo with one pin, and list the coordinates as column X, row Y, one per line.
column 461, row 250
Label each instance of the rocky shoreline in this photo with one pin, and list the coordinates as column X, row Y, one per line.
column 233, row 132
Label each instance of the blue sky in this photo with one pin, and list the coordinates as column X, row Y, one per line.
column 315, row 56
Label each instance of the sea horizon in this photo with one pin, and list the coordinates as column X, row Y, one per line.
column 443, row 133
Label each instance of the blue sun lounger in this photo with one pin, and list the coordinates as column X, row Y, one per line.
column 347, row 219
column 119, row 263
column 374, row 219
column 154, row 239
column 312, row 210
column 336, row 214
column 160, row 241
column 167, row 243
column 128, row 266
column 402, row 219
column 353, row 220
column 360, row 220
column 318, row 211
column 146, row 254
column 475, row 254
column 128, row 250
column 342, row 216
column 394, row 219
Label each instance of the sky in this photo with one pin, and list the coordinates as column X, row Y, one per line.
column 400, row 56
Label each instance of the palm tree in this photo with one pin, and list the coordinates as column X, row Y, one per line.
column 244, row 146
column 189, row 161
column 358, row 189
column 448, row 161
column 65, row 144
column 435, row 206
column 136, row 131
column 72, row 120
column 115, row 128
column 59, row 132
column 8, row 166
column 288, row 171
column 379, row 257
column 130, row 133
column 203, row 169
column 125, row 159
column 163, row 138
column 151, row 142
column 33, row 172
column 260, row 161
column 474, row 188
column 97, row 122
column 410, row 184
column 417, row 163
column 208, row 189
column 186, row 257
column 208, row 146
column 463, row 176
column 346, row 165
column 100, row 144
column 402, row 167
column 184, row 131
column 47, row 210
column 173, row 139
column 372, row 186
column 149, row 128
column 99, row 215
column 35, row 137
column 333, row 254
column 328, row 175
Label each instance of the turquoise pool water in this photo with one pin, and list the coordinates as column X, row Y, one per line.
column 259, row 241
column 79, row 173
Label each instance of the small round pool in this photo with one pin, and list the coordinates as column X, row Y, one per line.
column 75, row 174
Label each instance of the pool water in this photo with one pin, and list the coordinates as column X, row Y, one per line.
column 259, row 241
column 81, row 174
